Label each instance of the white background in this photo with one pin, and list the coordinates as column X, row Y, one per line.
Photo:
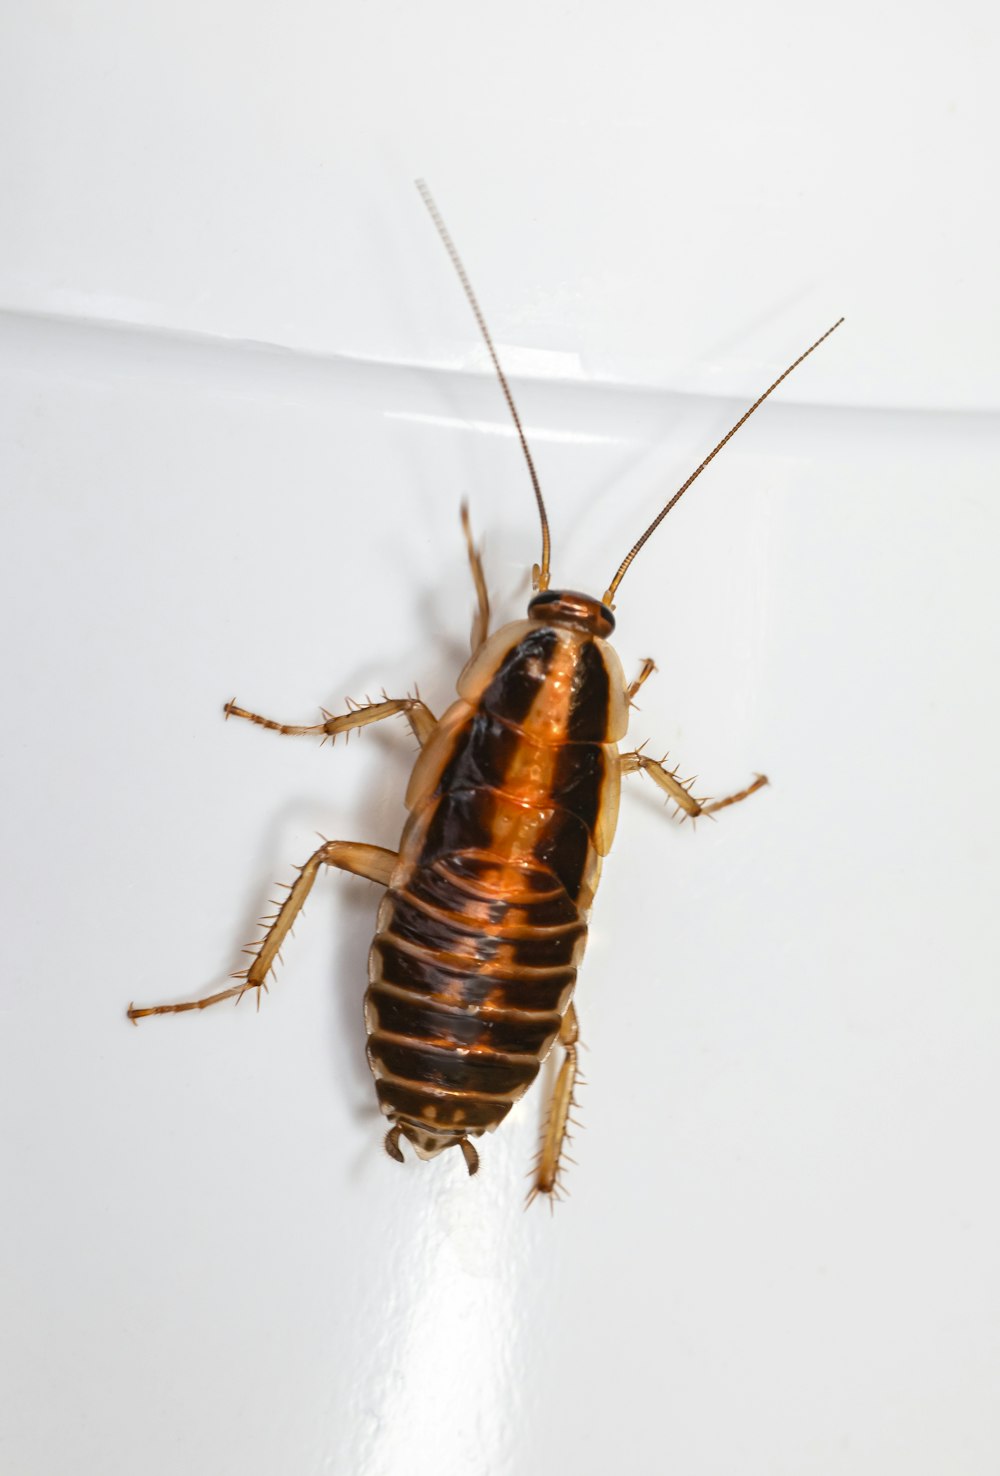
column 241, row 399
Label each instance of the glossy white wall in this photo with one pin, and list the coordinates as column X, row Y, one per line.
column 241, row 400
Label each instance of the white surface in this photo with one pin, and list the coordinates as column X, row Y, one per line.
column 780, row 1251
column 666, row 194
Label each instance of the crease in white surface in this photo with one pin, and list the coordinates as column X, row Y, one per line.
column 30, row 330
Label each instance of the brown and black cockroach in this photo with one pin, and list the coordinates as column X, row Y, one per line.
column 512, row 804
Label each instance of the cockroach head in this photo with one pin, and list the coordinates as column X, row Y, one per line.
column 569, row 607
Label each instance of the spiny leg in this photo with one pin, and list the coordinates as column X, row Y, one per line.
column 646, row 670
column 481, row 619
column 560, row 1103
column 419, row 716
column 677, row 790
column 373, row 862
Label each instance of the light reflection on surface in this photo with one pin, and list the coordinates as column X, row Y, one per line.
column 439, row 1388
column 503, row 429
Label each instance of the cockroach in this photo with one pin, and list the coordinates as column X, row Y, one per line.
column 512, row 807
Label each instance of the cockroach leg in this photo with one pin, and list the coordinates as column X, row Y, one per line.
column 677, row 790
column 646, row 670
column 481, row 619
column 554, row 1135
column 419, row 716
column 373, row 862
column 733, row 799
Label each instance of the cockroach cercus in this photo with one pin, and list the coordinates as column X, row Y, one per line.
column 512, row 806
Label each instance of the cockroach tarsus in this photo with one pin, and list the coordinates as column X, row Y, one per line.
column 512, row 806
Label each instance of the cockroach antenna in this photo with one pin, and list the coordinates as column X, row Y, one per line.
column 609, row 593
column 540, row 573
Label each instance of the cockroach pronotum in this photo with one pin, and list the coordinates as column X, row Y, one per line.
column 512, row 804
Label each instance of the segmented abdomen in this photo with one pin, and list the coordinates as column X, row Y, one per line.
column 471, row 970
column 513, row 802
